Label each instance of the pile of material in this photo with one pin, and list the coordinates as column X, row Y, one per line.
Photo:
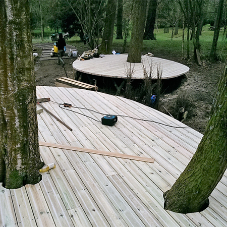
column 89, row 54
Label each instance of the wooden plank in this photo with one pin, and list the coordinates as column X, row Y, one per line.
column 110, row 212
column 22, row 208
column 71, row 203
column 75, row 83
column 56, row 206
column 91, row 151
column 78, row 217
column 39, row 205
column 7, row 215
column 91, row 208
column 57, row 118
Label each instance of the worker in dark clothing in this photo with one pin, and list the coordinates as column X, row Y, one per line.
column 61, row 45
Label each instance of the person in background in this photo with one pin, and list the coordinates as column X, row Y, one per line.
column 61, row 48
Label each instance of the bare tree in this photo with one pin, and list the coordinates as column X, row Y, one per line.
column 119, row 19
column 19, row 153
column 150, row 22
column 107, row 38
column 213, row 53
column 90, row 14
column 194, row 15
column 138, row 24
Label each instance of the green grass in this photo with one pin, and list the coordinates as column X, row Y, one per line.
column 36, row 35
column 163, row 45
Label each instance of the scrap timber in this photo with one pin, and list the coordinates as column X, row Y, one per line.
column 93, row 189
column 68, row 82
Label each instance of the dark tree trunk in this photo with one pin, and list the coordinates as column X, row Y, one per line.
column 19, row 153
column 138, row 23
column 213, row 54
column 107, row 38
column 150, row 22
column 191, row 190
column 176, row 28
column 119, row 19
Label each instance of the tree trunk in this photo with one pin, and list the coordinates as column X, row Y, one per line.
column 191, row 190
column 119, row 19
column 138, row 23
column 150, row 23
column 176, row 28
column 41, row 21
column 213, row 54
column 19, row 155
column 107, row 38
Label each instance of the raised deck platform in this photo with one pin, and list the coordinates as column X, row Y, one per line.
column 91, row 189
column 116, row 66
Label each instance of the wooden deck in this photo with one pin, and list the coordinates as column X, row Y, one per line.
column 88, row 189
column 116, row 66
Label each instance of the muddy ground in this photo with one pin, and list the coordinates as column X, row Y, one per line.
column 195, row 93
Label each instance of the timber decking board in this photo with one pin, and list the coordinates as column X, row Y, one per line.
column 92, row 190
column 74, row 83
column 116, row 66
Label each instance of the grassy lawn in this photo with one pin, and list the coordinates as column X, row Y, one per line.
column 164, row 44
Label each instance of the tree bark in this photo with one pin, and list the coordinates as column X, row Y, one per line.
column 119, row 19
column 19, row 155
column 107, row 38
column 191, row 190
column 41, row 21
column 213, row 53
column 138, row 23
column 150, row 22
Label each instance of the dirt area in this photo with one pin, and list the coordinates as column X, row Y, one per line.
column 195, row 94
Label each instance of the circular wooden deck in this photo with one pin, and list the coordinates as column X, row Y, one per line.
column 116, row 66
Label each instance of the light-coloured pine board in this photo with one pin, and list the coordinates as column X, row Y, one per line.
column 56, row 206
column 116, row 66
column 22, row 207
column 7, row 215
column 111, row 154
column 71, row 203
column 75, row 83
column 40, row 208
column 111, row 214
column 78, row 188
